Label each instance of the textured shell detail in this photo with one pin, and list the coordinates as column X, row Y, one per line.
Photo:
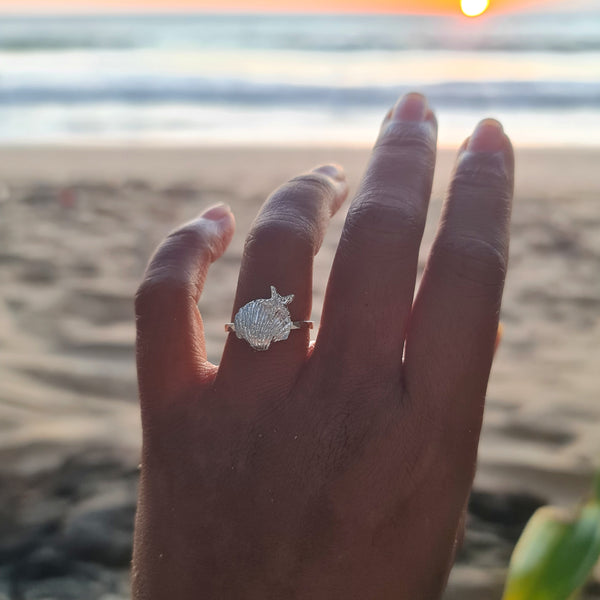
column 263, row 321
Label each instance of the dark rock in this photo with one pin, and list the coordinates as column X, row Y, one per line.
column 483, row 546
column 64, row 588
column 89, row 581
column 43, row 563
column 507, row 513
column 592, row 591
column 66, row 530
column 100, row 530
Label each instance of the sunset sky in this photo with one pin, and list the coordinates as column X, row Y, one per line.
column 401, row 6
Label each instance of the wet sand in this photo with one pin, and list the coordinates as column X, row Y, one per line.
column 77, row 226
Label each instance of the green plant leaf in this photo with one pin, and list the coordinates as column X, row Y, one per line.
column 597, row 486
column 555, row 554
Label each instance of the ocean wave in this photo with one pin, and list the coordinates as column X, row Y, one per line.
column 55, row 44
column 467, row 94
column 573, row 32
column 549, row 44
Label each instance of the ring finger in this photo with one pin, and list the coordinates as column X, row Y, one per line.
column 279, row 252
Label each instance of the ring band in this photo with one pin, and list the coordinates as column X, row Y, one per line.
column 265, row 320
column 295, row 325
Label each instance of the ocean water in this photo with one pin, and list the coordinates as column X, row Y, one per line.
column 195, row 79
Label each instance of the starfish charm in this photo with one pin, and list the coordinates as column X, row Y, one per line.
column 276, row 297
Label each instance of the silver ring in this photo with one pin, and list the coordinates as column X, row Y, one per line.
column 266, row 320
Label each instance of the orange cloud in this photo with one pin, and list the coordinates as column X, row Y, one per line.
column 301, row 6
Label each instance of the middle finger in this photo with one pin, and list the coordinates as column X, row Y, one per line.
column 370, row 290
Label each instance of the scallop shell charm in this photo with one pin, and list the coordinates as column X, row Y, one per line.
column 263, row 321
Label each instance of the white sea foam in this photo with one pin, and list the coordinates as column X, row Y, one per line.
column 208, row 79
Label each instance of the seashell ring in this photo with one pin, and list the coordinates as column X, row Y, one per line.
column 265, row 320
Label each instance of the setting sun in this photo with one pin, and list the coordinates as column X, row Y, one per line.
column 473, row 8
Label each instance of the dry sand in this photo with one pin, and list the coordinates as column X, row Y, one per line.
column 77, row 226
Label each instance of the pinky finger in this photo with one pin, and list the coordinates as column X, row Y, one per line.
column 171, row 353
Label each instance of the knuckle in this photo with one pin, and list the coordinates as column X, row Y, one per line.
column 188, row 238
column 311, row 186
column 407, row 145
column 293, row 235
column 292, row 218
column 160, row 288
column 474, row 260
column 392, row 202
column 303, row 199
column 481, row 173
column 390, row 217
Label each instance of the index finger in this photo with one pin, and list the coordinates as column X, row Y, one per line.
column 454, row 322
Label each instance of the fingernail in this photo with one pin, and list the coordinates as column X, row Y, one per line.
column 334, row 171
column 217, row 212
column 487, row 137
column 411, row 107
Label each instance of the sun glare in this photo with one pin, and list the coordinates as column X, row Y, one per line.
column 474, row 8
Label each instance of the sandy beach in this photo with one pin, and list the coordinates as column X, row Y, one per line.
column 77, row 226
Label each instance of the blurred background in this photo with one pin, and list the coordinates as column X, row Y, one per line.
column 119, row 120
column 298, row 78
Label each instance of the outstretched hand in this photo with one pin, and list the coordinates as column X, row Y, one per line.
column 339, row 471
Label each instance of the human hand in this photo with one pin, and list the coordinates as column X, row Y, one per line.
column 340, row 470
